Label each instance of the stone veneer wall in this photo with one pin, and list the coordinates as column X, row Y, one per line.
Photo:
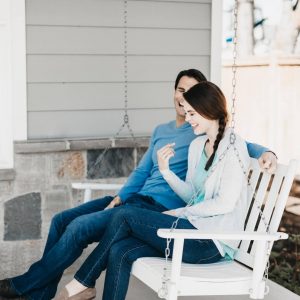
column 40, row 186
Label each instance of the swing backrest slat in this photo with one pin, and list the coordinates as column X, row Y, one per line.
column 271, row 193
column 258, row 188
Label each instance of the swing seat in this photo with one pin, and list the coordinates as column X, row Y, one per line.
column 244, row 275
column 209, row 279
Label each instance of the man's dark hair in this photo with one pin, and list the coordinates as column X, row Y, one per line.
column 193, row 73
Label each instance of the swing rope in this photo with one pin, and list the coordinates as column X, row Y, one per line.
column 126, row 122
column 163, row 291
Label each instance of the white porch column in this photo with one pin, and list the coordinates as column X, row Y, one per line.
column 245, row 28
column 13, row 114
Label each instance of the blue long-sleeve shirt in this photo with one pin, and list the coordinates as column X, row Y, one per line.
column 147, row 180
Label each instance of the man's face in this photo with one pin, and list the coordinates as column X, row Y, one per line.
column 184, row 84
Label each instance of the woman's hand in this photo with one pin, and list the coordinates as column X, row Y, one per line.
column 170, row 213
column 163, row 156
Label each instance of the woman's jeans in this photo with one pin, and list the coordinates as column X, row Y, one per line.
column 132, row 233
column 70, row 232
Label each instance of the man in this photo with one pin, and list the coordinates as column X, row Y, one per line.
column 73, row 230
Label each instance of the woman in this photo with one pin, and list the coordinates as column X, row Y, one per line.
column 215, row 187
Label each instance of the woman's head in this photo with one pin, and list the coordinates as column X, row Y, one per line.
column 205, row 108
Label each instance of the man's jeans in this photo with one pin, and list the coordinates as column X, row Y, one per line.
column 70, row 232
column 132, row 233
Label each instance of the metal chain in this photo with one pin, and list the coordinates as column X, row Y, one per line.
column 233, row 112
column 234, row 65
column 126, row 116
column 163, row 291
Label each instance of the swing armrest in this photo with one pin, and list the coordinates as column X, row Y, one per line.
column 96, row 186
column 88, row 187
column 234, row 235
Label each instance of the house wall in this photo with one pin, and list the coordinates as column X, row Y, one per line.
column 75, row 63
column 75, row 91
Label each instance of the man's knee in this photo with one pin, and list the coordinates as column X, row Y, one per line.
column 57, row 220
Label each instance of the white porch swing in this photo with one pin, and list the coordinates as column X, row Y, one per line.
column 248, row 273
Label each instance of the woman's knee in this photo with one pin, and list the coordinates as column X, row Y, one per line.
column 123, row 213
column 118, row 257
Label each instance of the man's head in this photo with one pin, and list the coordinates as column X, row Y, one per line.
column 184, row 81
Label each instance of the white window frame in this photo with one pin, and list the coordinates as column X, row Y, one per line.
column 13, row 95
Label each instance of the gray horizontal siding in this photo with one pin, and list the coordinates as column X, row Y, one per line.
column 96, row 123
column 156, row 14
column 89, row 68
column 75, row 63
column 86, row 96
column 94, row 40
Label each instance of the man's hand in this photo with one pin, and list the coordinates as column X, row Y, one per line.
column 114, row 202
column 268, row 162
column 163, row 156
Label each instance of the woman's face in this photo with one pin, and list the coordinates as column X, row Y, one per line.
column 199, row 124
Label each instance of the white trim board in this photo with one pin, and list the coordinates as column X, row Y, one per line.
column 13, row 112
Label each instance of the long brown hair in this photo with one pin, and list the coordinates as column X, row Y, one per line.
column 208, row 100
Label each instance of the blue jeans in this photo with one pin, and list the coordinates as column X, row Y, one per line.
column 132, row 233
column 70, row 232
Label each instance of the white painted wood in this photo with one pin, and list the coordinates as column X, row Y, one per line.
column 19, row 91
column 258, row 285
column 87, row 195
column 89, row 187
column 96, row 186
column 257, row 205
column 13, row 120
column 254, row 286
column 175, row 269
column 199, row 234
column 211, row 279
column 224, row 277
column 6, row 84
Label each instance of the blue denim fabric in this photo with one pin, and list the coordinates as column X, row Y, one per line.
column 70, row 232
column 142, row 225
column 121, row 257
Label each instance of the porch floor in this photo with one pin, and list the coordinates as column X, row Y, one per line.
column 137, row 291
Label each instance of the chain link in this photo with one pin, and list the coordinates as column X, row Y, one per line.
column 234, row 65
column 126, row 122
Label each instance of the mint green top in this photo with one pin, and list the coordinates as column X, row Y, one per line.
column 200, row 178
